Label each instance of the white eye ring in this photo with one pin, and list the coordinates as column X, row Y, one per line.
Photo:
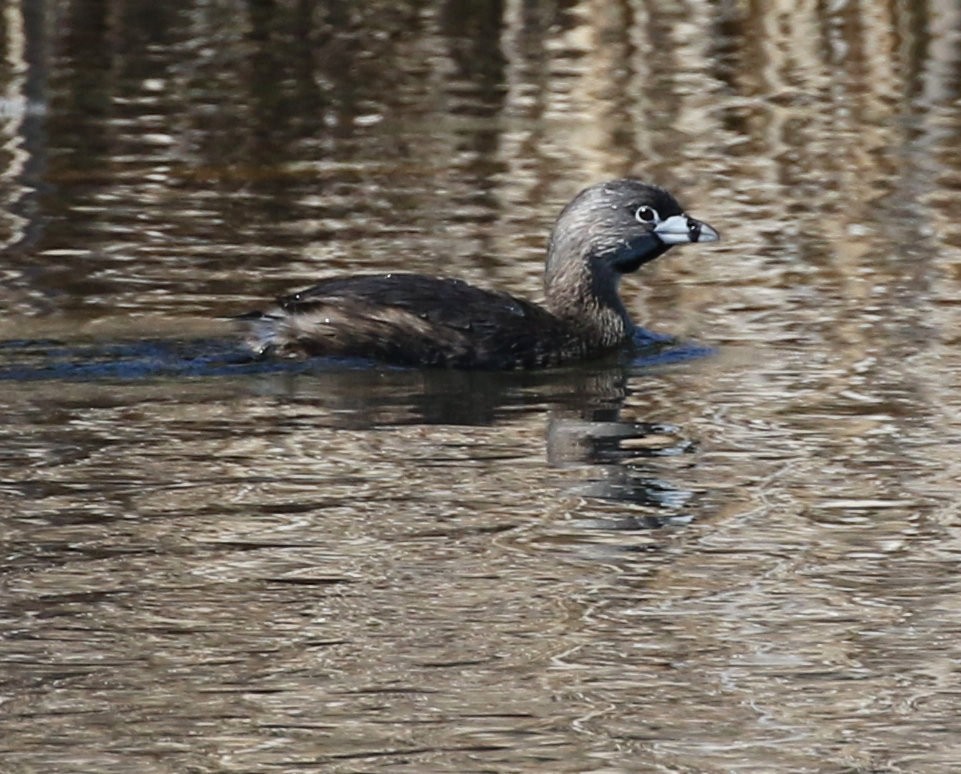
column 645, row 214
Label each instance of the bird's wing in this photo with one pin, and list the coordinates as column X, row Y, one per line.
column 416, row 320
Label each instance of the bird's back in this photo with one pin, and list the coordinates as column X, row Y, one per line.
column 412, row 319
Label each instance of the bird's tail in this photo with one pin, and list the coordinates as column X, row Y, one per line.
column 259, row 330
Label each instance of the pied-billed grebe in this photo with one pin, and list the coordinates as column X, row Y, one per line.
column 608, row 230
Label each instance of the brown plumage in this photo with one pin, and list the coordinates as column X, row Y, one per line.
column 414, row 320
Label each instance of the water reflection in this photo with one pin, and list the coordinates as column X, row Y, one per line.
column 584, row 403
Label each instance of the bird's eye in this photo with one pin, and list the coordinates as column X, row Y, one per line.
column 645, row 214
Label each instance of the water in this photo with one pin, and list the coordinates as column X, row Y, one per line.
column 737, row 554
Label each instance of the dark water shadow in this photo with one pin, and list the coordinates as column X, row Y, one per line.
column 48, row 359
column 144, row 358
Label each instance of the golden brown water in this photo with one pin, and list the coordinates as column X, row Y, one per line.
column 740, row 561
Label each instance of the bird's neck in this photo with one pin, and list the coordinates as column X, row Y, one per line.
column 590, row 305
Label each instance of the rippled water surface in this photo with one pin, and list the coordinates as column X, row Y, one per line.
column 737, row 553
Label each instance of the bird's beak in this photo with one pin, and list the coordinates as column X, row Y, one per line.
column 680, row 229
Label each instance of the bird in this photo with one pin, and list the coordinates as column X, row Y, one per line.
column 414, row 320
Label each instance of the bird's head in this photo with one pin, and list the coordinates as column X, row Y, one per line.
column 615, row 227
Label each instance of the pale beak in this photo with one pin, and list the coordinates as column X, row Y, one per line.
column 680, row 229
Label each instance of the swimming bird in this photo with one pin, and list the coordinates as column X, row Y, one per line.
column 607, row 230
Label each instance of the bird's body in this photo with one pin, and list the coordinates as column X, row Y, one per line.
column 416, row 320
